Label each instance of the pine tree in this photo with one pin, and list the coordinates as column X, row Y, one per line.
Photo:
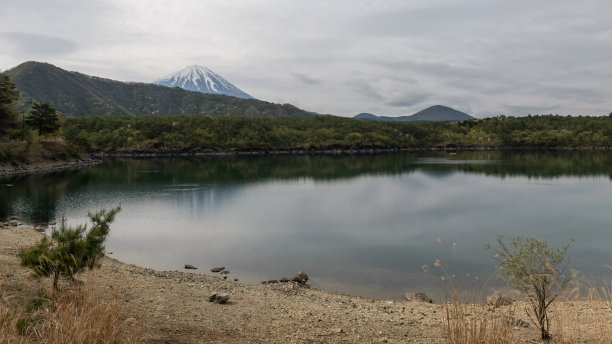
column 70, row 250
column 43, row 117
column 8, row 94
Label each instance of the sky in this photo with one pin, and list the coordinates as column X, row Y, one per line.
column 343, row 57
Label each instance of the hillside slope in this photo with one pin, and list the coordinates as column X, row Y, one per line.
column 436, row 113
column 78, row 94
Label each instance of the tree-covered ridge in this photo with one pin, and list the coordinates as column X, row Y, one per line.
column 77, row 94
column 184, row 133
column 434, row 113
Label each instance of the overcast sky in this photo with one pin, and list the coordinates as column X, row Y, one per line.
column 484, row 57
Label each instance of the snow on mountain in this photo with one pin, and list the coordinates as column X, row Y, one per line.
column 201, row 79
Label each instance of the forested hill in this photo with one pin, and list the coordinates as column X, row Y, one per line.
column 78, row 94
column 436, row 113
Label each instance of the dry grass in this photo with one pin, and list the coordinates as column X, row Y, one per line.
column 583, row 320
column 85, row 314
column 469, row 323
column 575, row 319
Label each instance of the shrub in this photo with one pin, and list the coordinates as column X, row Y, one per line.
column 533, row 267
column 70, row 250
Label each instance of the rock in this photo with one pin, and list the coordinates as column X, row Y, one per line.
column 519, row 323
column 498, row 300
column 419, row 297
column 283, row 280
column 269, row 282
column 217, row 269
column 190, row 267
column 300, row 277
column 219, row 298
column 224, row 272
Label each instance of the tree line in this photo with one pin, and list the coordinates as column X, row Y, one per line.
column 184, row 132
column 204, row 133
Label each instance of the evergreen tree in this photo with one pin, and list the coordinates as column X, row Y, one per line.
column 8, row 94
column 44, row 118
column 70, row 250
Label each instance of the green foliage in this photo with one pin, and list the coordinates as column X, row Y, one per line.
column 22, row 326
column 70, row 250
column 535, row 268
column 8, row 94
column 44, row 118
column 202, row 133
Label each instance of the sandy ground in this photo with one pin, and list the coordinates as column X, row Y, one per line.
column 173, row 307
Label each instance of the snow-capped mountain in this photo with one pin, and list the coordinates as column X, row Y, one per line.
column 201, row 79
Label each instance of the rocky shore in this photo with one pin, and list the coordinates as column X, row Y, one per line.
column 183, row 307
column 45, row 166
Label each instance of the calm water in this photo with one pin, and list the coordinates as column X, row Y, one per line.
column 363, row 225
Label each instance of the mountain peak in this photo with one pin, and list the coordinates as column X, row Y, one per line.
column 201, row 79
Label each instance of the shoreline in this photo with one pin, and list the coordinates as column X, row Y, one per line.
column 47, row 166
column 330, row 151
column 173, row 306
column 12, row 168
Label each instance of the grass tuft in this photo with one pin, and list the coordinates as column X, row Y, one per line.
column 85, row 314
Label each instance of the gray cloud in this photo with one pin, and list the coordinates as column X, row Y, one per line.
column 364, row 88
column 306, row 79
column 421, row 20
column 410, row 99
column 391, row 57
column 520, row 110
column 580, row 94
column 31, row 44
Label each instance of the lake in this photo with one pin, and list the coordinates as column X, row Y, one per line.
column 365, row 225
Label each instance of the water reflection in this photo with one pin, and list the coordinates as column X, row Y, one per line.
column 358, row 224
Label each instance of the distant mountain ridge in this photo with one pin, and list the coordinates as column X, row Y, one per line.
column 436, row 113
column 78, row 94
column 201, row 79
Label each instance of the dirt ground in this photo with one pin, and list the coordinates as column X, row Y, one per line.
column 173, row 307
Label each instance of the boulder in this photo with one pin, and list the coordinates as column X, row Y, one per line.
column 300, row 277
column 190, row 267
column 217, row 269
column 498, row 300
column 419, row 297
column 224, row 272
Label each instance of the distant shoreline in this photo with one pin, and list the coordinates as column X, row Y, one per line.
column 10, row 168
column 337, row 151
